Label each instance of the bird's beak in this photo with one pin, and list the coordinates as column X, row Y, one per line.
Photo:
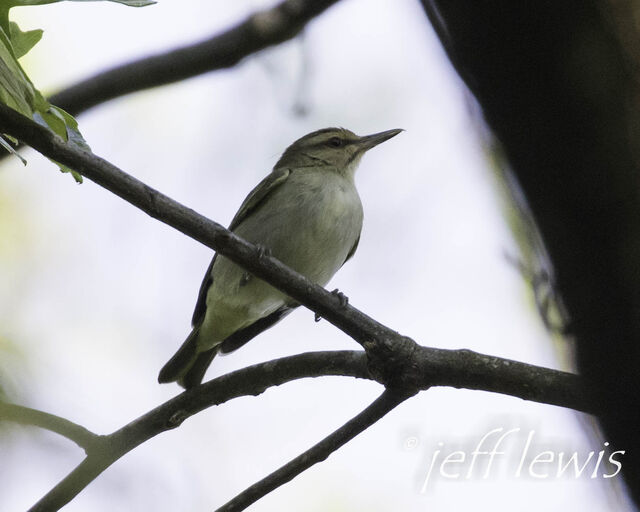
column 369, row 141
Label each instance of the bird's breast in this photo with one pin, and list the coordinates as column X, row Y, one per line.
column 312, row 223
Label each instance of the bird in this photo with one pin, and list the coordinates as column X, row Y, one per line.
column 306, row 213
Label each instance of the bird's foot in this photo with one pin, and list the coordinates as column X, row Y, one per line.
column 263, row 251
column 344, row 300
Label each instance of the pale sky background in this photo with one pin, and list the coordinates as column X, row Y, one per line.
column 95, row 296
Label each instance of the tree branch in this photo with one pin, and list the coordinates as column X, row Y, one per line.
column 252, row 380
column 470, row 370
column 259, row 31
column 436, row 367
column 356, row 324
column 379, row 408
column 391, row 359
column 26, row 416
column 558, row 83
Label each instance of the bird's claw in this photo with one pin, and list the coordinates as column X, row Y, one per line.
column 263, row 251
column 344, row 300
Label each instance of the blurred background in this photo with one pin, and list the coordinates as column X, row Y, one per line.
column 95, row 296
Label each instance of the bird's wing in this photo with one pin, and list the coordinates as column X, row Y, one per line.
column 259, row 194
column 252, row 201
column 201, row 304
column 239, row 338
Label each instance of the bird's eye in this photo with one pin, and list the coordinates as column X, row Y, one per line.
column 335, row 142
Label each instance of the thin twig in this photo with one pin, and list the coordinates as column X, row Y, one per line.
column 319, row 452
column 259, row 31
column 252, row 380
column 27, row 416
column 437, row 367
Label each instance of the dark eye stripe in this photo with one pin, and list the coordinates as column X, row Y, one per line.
column 324, row 143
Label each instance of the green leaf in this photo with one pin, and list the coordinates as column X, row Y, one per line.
column 54, row 123
column 76, row 175
column 11, row 139
column 66, row 127
column 74, row 136
column 10, row 149
column 16, row 90
column 130, row 3
column 19, row 93
column 22, row 42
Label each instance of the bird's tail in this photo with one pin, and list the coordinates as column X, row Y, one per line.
column 187, row 366
column 194, row 375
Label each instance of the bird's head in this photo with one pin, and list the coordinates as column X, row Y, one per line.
column 335, row 148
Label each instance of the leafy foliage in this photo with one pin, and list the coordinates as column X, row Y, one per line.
column 16, row 89
column 130, row 3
